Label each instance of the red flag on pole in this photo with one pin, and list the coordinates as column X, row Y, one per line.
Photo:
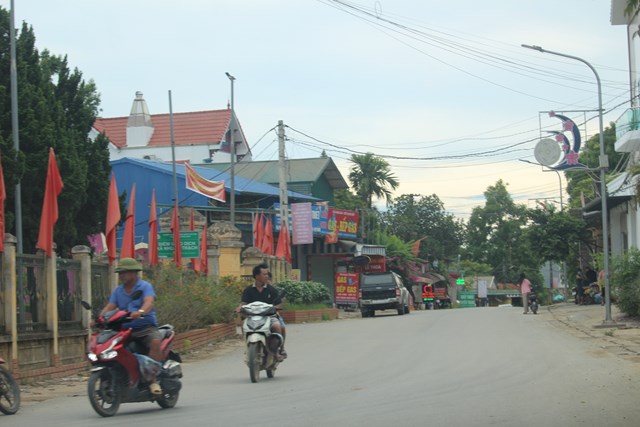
column 203, row 263
column 259, row 231
column 128, row 240
column 283, row 249
column 53, row 188
column 287, row 246
column 153, row 232
column 267, row 240
column 192, row 227
column 3, row 197
column 175, row 229
column 113, row 218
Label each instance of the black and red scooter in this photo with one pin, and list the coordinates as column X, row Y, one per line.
column 9, row 391
column 116, row 376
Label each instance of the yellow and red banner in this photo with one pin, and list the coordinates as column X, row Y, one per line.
column 346, row 287
column 211, row 189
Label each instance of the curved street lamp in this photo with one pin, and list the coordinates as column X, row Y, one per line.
column 603, row 165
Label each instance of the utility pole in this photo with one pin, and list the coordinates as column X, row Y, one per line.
column 173, row 153
column 232, row 152
column 284, row 198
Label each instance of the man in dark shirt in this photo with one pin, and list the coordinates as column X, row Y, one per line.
column 262, row 291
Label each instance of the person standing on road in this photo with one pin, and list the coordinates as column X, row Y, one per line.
column 525, row 290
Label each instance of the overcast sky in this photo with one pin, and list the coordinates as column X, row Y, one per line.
column 444, row 84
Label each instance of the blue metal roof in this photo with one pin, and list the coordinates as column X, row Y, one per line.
column 149, row 175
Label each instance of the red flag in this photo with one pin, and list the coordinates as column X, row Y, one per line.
column 3, row 197
column 113, row 218
column 202, row 264
column 267, row 239
column 287, row 246
column 128, row 240
column 415, row 247
column 192, row 227
column 283, row 249
column 153, row 232
column 259, row 231
column 175, row 228
column 53, row 188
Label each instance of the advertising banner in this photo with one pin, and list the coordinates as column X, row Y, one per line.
column 326, row 220
column 346, row 288
column 301, row 223
column 189, row 243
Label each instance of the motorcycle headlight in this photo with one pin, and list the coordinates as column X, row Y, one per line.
column 92, row 357
column 256, row 322
column 108, row 355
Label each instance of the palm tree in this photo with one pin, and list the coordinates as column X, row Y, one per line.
column 371, row 176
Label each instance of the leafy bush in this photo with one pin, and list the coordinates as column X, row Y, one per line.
column 188, row 300
column 304, row 292
column 625, row 281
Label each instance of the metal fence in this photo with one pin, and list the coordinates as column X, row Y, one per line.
column 69, row 294
column 100, row 290
column 31, row 288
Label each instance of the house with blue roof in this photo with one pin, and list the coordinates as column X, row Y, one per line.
column 250, row 196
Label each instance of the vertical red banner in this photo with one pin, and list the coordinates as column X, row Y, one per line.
column 346, row 288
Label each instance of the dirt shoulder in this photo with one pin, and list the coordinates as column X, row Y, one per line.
column 621, row 337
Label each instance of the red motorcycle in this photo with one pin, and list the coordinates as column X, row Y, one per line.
column 116, row 376
column 9, row 391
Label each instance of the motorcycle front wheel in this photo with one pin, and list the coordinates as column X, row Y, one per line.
column 104, row 392
column 254, row 358
column 168, row 400
column 9, row 393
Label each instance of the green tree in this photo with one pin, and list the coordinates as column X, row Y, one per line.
column 585, row 185
column 555, row 234
column 371, row 176
column 56, row 109
column 496, row 235
column 412, row 217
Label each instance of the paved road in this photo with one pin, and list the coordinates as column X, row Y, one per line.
column 467, row 367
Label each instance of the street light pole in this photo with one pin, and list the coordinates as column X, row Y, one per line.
column 232, row 151
column 603, row 165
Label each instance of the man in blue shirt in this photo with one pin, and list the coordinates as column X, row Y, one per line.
column 143, row 314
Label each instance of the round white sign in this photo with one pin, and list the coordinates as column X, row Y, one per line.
column 547, row 152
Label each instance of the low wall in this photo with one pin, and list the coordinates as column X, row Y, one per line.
column 301, row 316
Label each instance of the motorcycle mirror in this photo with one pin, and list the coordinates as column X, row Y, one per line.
column 137, row 294
column 85, row 305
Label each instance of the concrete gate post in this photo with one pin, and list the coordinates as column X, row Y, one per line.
column 10, row 294
column 83, row 254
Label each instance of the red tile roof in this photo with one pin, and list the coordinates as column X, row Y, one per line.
column 200, row 127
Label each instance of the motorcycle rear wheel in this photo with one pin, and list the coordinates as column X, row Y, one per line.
column 9, row 393
column 254, row 357
column 168, row 401
column 104, row 392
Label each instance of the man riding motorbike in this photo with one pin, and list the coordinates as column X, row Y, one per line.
column 263, row 291
column 143, row 314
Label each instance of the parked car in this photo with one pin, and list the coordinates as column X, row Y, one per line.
column 382, row 291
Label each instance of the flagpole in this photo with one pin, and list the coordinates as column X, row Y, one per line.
column 16, row 147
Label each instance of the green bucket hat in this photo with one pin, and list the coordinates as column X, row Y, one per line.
column 128, row 264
